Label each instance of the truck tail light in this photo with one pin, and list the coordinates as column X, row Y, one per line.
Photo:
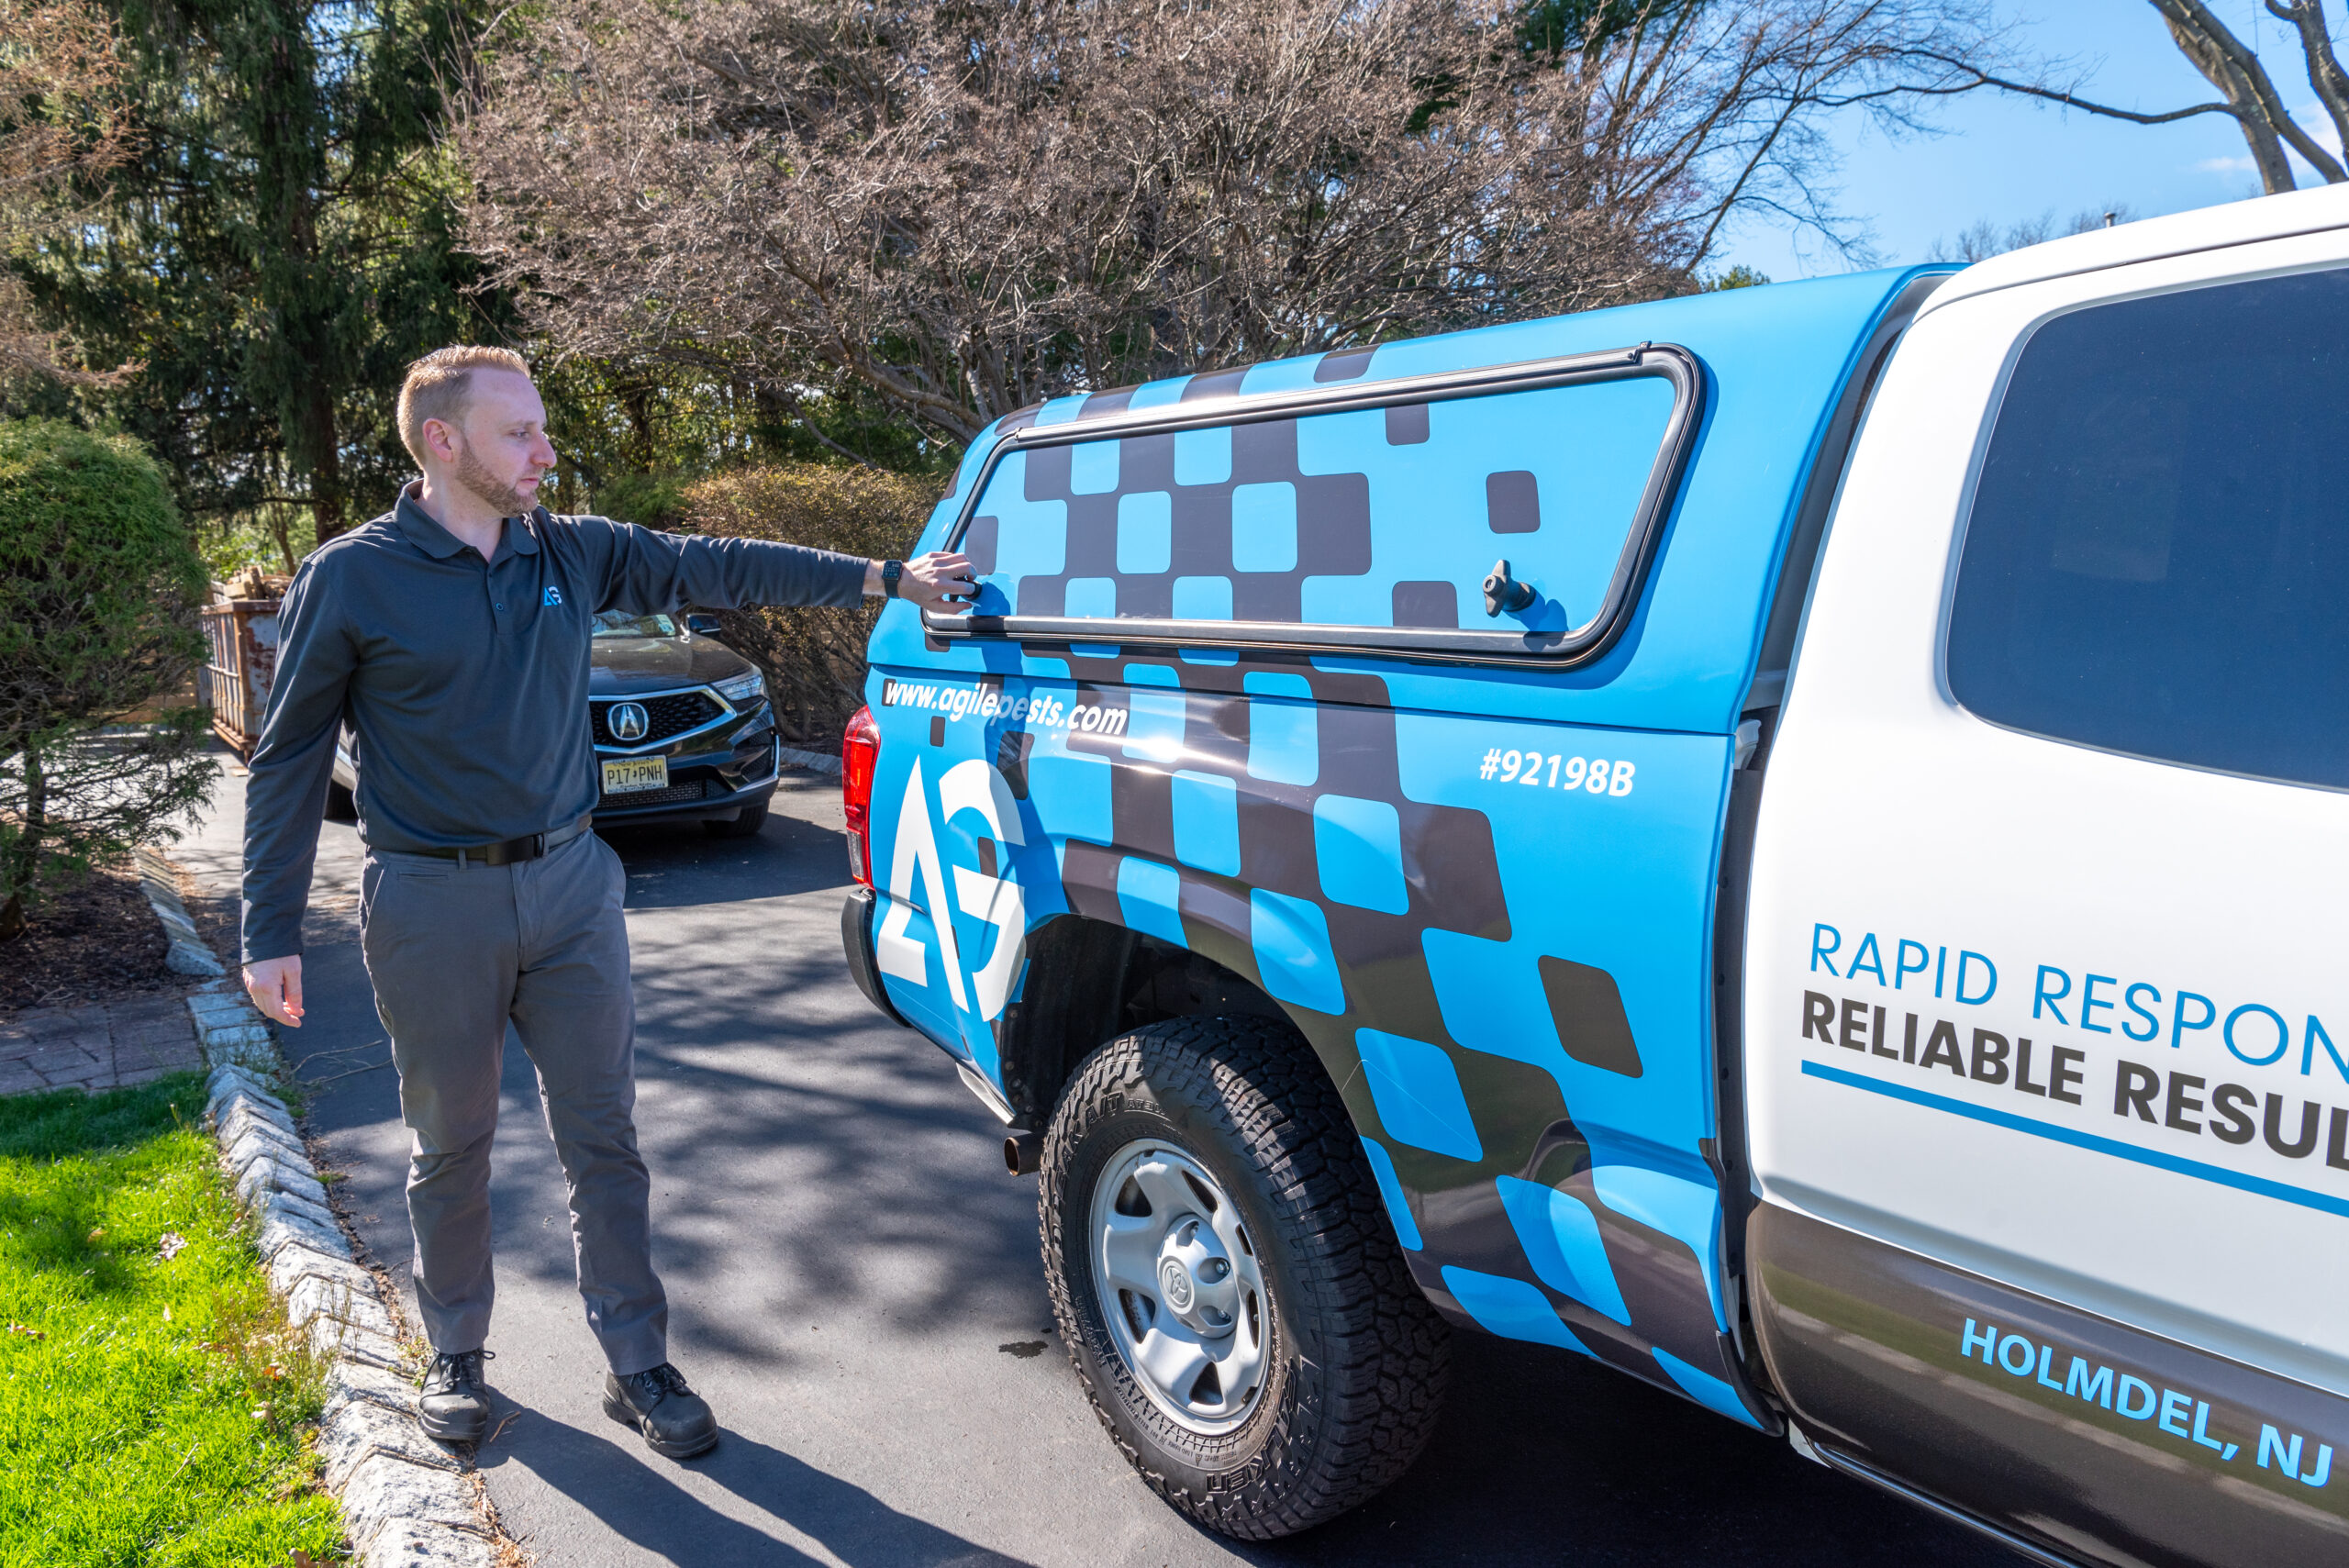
column 859, row 758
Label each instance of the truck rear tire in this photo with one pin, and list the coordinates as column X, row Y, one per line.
column 1227, row 1281
column 340, row 807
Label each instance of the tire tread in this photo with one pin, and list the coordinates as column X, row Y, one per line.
column 1382, row 1379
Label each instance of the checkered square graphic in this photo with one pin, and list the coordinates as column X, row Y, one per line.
column 1372, row 518
column 1258, row 815
column 1547, row 1174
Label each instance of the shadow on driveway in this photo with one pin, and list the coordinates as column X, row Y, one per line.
column 1546, row 1457
column 675, row 864
column 815, row 1165
column 643, row 1507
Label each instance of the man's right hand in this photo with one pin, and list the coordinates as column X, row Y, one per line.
column 275, row 986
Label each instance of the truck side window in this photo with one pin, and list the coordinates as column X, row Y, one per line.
column 1369, row 518
column 2157, row 560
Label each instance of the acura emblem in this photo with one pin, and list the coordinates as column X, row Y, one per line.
column 628, row 722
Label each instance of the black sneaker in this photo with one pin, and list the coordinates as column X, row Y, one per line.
column 454, row 1404
column 676, row 1422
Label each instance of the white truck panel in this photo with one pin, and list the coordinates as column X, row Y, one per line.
column 1891, row 814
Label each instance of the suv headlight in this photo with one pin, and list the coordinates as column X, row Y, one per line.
column 741, row 689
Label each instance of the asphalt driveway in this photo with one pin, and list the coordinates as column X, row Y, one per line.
column 854, row 1284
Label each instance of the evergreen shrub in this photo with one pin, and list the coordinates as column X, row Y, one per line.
column 100, row 583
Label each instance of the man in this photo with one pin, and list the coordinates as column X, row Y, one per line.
column 452, row 633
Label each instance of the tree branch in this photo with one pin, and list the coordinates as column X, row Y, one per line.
column 2325, row 74
column 1975, row 78
column 790, row 401
column 2236, row 71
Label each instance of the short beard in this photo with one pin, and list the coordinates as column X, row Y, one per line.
column 475, row 475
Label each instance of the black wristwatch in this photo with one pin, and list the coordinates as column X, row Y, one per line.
column 892, row 572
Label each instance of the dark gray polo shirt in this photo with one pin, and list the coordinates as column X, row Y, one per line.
column 466, row 680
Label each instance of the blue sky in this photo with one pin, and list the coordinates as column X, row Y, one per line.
column 2006, row 158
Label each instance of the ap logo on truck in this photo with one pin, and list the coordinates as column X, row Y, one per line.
column 996, row 901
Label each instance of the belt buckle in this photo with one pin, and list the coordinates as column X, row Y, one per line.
column 538, row 845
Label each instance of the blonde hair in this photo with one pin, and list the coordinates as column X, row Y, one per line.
column 440, row 385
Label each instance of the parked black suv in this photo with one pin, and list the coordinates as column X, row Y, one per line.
column 683, row 728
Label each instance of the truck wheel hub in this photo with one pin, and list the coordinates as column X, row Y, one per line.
column 1180, row 1287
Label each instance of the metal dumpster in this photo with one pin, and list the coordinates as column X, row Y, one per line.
column 242, row 635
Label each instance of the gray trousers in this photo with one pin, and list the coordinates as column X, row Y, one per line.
column 455, row 952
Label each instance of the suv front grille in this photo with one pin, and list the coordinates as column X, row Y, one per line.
column 667, row 715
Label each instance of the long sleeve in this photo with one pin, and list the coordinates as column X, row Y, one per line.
column 650, row 573
column 285, row 792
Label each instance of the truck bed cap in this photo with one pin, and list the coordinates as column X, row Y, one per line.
column 1775, row 363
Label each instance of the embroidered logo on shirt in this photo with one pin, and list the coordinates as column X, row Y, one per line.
column 554, row 597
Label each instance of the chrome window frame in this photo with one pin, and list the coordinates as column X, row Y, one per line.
column 1545, row 650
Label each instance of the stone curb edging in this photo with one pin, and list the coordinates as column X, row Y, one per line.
column 406, row 1501
column 189, row 953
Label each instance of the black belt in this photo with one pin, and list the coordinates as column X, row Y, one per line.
column 512, row 849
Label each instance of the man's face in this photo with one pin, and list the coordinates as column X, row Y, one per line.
column 503, row 454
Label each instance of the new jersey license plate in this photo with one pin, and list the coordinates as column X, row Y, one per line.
column 622, row 774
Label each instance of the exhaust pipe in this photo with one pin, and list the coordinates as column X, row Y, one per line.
column 1022, row 1153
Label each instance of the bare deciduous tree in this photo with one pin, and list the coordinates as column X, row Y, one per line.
column 962, row 208
column 1983, row 238
column 60, row 119
column 2247, row 93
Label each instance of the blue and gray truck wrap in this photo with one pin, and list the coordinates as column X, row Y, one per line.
column 1363, row 829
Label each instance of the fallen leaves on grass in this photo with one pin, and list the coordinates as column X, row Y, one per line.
column 28, row 1333
column 170, row 1246
column 284, row 1375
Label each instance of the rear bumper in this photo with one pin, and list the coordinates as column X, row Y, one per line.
column 856, row 939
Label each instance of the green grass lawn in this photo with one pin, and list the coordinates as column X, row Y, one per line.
column 153, row 1406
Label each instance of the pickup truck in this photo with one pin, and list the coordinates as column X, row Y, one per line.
column 1790, row 840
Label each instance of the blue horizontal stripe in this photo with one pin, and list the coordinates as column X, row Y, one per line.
column 2118, row 1151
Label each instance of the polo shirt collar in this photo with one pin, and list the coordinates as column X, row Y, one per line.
column 418, row 525
column 437, row 542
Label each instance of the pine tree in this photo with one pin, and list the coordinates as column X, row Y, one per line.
column 279, row 249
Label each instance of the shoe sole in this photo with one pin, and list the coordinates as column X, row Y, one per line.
column 459, row 1431
column 627, row 1417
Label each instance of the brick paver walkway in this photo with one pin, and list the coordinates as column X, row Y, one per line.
column 103, row 1046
